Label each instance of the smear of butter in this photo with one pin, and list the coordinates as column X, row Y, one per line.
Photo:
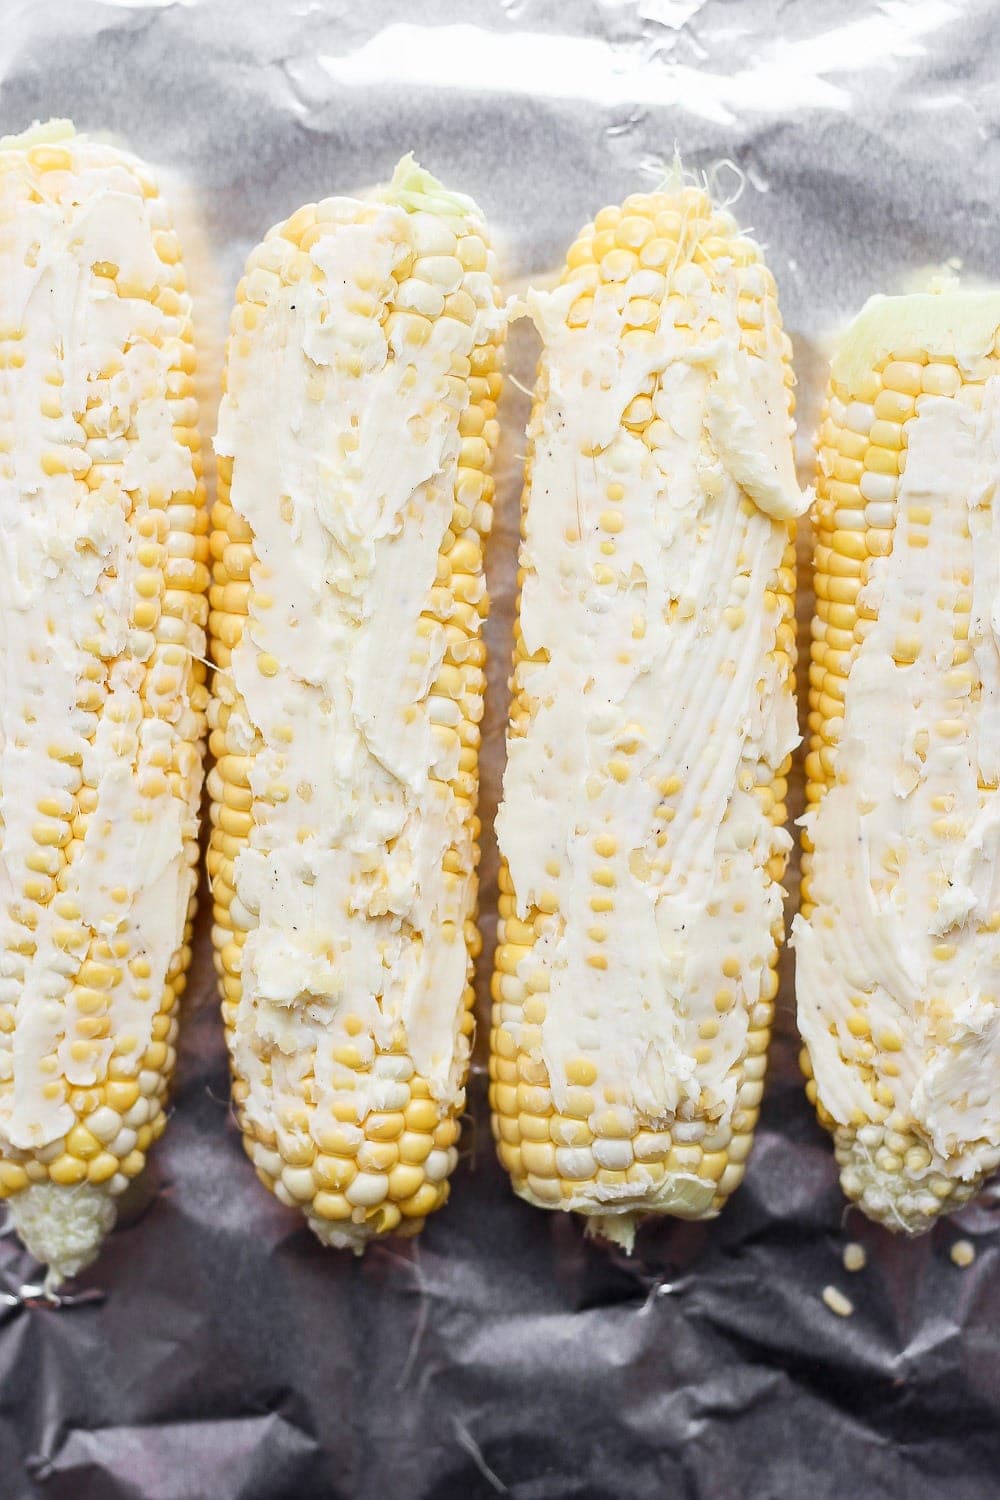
column 92, row 427
column 68, row 588
column 905, row 869
column 656, row 703
column 359, row 872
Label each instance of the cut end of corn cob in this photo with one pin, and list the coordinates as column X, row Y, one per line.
column 898, row 964
column 355, row 441
column 62, row 1227
column 681, row 1195
column 41, row 133
column 418, row 191
column 102, row 609
column 651, row 723
column 345, row 1234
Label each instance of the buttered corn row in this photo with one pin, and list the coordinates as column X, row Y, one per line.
column 651, row 723
column 355, row 444
column 897, row 946
column 103, row 551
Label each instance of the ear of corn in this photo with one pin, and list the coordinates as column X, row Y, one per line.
column 102, row 609
column 355, row 443
column 897, row 954
column 651, row 723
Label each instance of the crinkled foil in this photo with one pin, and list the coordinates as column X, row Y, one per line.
column 216, row 1350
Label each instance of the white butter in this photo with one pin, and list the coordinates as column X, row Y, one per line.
column 345, row 463
column 655, row 660
column 905, row 869
column 68, row 574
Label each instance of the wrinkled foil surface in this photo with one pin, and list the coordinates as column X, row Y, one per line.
column 216, row 1350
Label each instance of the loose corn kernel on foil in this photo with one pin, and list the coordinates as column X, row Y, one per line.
column 215, row 1347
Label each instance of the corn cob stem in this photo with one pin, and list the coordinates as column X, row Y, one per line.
column 102, row 608
column 355, row 441
column 651, row 723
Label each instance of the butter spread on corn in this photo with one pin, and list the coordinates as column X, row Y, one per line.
column 92, row 331
column 68, row 574
column 346, row 439
column 898, row 965
column 628, row 813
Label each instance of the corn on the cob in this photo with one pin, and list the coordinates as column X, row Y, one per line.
column 103, row 550
column 355, row 443
column 897, row 950
column 651, row 725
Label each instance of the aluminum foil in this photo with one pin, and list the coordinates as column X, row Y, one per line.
column 216, row 1350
